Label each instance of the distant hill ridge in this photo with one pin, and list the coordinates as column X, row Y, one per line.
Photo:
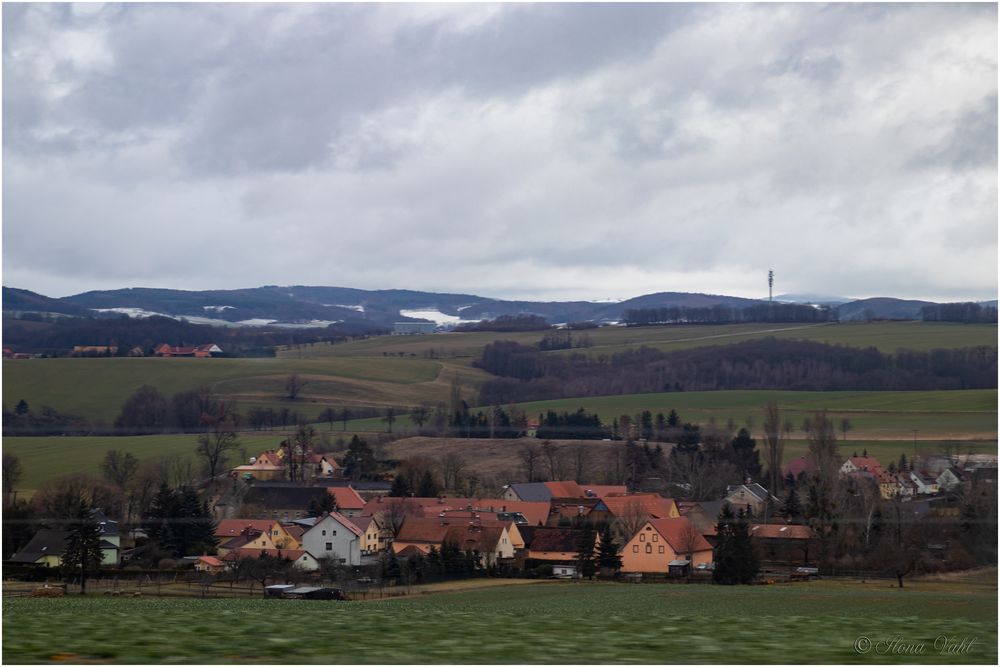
column 319, row 306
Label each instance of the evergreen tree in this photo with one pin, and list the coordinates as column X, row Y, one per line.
column 903, row 465
column 747, row 458
column 585, row 564
column 735, row 560
column 673, row 419
column 82, row 555
column 428, row 486
column 607, row 554
column 791, row 508
column 400, row 487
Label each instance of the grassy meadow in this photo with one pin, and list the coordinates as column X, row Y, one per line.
column 553, row 623
column 874, row 415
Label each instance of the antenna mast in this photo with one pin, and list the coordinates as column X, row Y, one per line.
column 770, row 285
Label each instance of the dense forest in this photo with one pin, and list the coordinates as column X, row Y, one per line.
column 959, row 312
column 763, row 312
column 527, row 374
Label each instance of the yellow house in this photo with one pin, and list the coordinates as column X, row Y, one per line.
column 660, row 541
column 371, row 532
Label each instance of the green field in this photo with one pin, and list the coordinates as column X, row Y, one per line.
column 886, row 336
column 956, row 415
column 97, row 388
column 555, row 623
column 399, row 370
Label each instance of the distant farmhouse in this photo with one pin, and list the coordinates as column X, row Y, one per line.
column 200, row 351
column 411, row 328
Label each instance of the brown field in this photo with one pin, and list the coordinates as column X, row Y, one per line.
column 498, row 461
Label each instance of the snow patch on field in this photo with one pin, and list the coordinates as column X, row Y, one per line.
column 360, row 309
column 219, row 309
column 132, row 312
column 435, row 316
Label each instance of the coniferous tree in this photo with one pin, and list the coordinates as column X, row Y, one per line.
column 428, row 486
column 400, row 487
column 791, row 508
column 585, row 564
column 82, row 556
column 735, row 560
column 607, row 554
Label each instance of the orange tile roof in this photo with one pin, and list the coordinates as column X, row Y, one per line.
column 210, row 560
column 602, row 490
column 679, row 532
column 534, row 512
column 346, row 497
column 654, row 505
column 565, row 489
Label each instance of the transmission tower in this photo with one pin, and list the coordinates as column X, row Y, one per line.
column 770, row 285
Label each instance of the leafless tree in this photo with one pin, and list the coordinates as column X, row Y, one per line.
column 581, row 459
column 12, row 472
column 419, row 415
column 213, row 445
column 689, row 540
column 775, row 445
column 845, row 426
column 119, row 467
column 390, row 417
column 530, row 459
column 632, row 519
column 553, row 461
column 293, row 386
column 788, row 428
column 452, row 465
column 615, row 467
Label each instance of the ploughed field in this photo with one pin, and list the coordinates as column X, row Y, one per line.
column 555, row 623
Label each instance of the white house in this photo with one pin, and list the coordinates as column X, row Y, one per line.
column 949, row 479
column 334, row 536
column 926, row 484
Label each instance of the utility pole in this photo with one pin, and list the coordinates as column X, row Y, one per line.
column 770, row 286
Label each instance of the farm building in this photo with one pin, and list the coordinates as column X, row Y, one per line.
column 412, row 328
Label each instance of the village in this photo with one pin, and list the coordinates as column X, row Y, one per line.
column 291, row 514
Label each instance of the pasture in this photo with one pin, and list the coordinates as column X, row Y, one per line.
column 399, row 371
column 553, row 623
column 886, row 336
column 874, row 415
column 97, row 388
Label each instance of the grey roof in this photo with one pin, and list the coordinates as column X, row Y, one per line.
column 679, row 562
column 46, row 542
column 535, row 492
column 755, row 489
column 282, row 497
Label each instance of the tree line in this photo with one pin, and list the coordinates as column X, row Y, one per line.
column 968, row 313
column 527, row 374
column 764, row 312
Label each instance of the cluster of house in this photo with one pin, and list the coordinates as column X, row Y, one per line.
column 934, row 475
column 200, row 351
column 528, row 525
column 47, row 545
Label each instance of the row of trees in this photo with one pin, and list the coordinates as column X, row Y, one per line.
column 766, row 312
column 527, row 374
column 968, row 313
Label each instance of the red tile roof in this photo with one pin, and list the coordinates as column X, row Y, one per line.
column 778, row 531
column 290, row 554
column 234, row 527
column 210, row 560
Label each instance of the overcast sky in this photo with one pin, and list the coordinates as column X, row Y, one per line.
column 517, row 151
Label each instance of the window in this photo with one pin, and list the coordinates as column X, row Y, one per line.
column 649, row 548
column 324, row 533
column 661, row 549
column 642, row 537
column 654, row 537
column 635, row 549
column 333, row 532
column 329, row 546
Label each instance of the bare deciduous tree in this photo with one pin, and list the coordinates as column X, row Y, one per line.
column 530, row 460
column 213, row 445
column 775, row 445
column 553, row 461
column 452, row 465
column 293, row 386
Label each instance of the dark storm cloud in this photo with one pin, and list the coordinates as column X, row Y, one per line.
column 563, row 150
